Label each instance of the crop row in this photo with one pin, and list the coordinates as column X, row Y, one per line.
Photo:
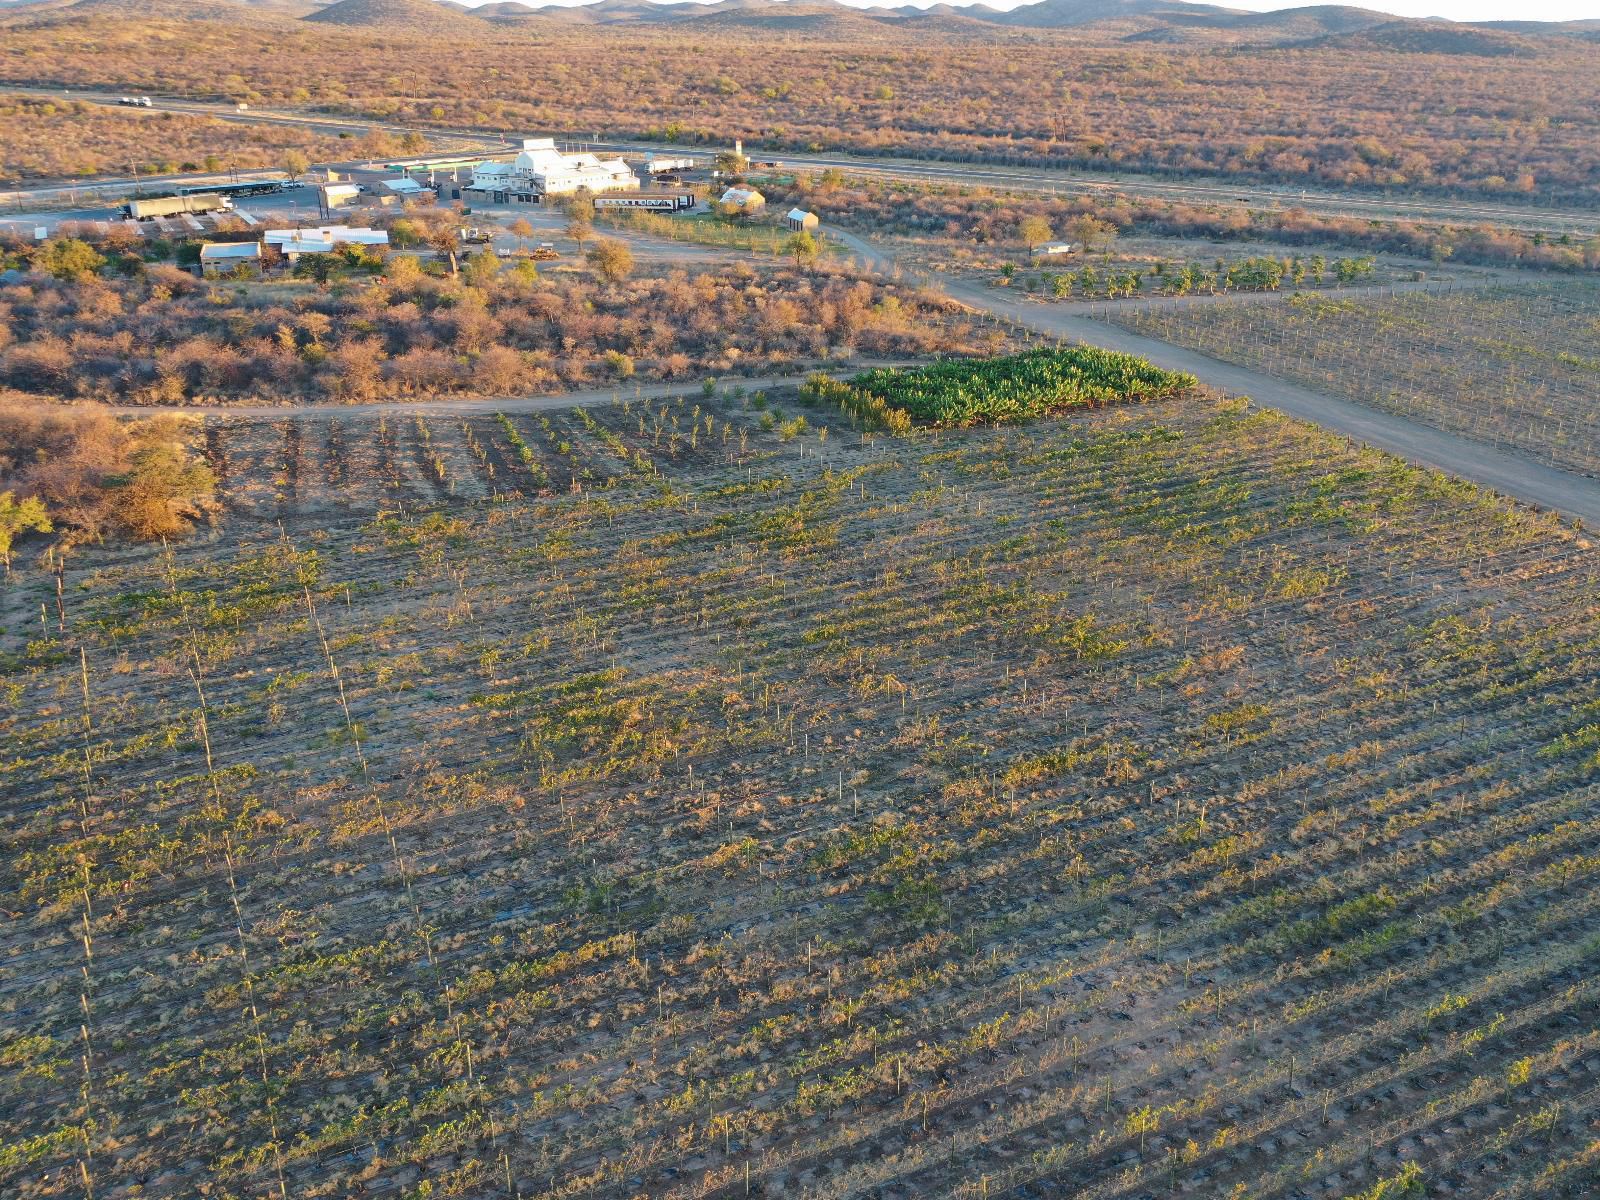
column 959, row 812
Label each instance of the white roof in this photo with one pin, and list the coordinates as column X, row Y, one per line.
column 230, row 250
column 539, row 166
column 324, row 238
column 742, row 195
column 404, row 184
column 340, row 189
column 799, row 214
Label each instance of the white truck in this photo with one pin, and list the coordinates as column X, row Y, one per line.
column 172, row 206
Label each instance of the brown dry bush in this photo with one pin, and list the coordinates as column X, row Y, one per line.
column 986, row 216
column 165, row 337
column 97, row 475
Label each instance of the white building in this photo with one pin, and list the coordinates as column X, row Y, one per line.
column 217, row 258
column 542, row 170
column 801, row 221
column 337, row 195
column 404, row 186
column 745, row 199
column 292, row 243
column 1048, row 249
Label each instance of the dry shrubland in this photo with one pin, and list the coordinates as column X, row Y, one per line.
column 163, row 336
column 987, row 216
column 1365, row 118
column 66, row 139
column 98, row 475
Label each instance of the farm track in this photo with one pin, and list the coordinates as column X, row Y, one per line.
column 715, row 600
column 1503, row 366
column 1509, row 472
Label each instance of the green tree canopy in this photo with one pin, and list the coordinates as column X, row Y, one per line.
column 70, row 258
column 801, row 247
column 27, row 515
column 482, row 267
column 1033, row 230
column 612, row 259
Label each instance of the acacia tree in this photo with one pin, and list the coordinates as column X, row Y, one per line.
column 801, row 247
column 27, row 515
column 1033, row 230
column 612, row 259
column 1094, row 233
column 70, row 259
column 579, row 228
column 482, row 267
column 442, row 236
column 165, row 487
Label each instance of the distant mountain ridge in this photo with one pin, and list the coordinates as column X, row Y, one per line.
column 1156, row 22
column 410, row 16
column 1141, row 17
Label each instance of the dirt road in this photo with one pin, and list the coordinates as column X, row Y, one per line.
column 1512, row 474
column 1509, row 473
column 506, row 404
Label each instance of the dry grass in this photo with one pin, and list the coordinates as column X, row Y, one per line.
column 1512, row 366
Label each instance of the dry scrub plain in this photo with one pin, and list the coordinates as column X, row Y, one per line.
column 75, row 139
column 1171, row 800
column 1512, row 366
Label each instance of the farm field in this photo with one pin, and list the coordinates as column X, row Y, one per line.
column 1514, row 366
column 670, row 799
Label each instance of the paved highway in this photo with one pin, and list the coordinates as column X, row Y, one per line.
column 1527, row 218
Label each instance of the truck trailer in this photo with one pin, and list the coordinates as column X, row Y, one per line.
column 658, row 163
column 172, row 206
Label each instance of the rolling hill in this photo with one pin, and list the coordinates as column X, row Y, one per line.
column 408, row 16
column 1434, row 37
column 1149, row 21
